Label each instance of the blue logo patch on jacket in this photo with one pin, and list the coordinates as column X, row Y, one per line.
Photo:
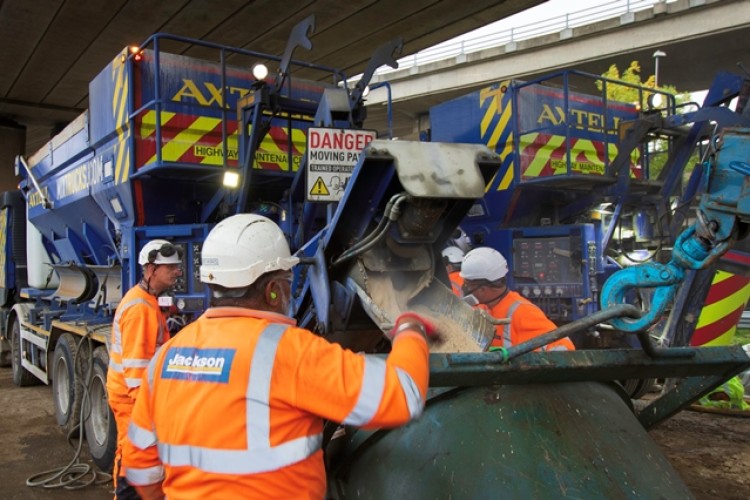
column 204, row 365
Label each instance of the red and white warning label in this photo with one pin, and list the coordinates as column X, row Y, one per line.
column 332, row 154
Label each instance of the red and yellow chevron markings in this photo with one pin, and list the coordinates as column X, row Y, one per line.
column 185, row 138
column 722, row 310
column 273, row 152
column 198, row 140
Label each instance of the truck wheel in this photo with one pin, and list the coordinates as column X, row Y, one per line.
column 101, row 430
column 21, row 376
column 637, row 388
column 66, row 387
column 5, row 355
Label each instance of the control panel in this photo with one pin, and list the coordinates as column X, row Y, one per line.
column 555, row 268
column 548, row 267
column 191, row 278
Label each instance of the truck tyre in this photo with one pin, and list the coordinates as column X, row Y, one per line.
column 21, row 376
column 637, row 388
column 6, row 354
column 100, row 427
column 66, row 386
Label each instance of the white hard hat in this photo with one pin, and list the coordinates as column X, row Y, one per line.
column 160, row 252
column 243, row 247
column 484, row 263
column 454, row 255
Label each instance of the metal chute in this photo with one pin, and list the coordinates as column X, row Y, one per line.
column 77, row 283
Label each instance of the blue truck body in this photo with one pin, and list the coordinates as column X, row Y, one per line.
column 567, row 208
column 145, row 161
column 148, row 160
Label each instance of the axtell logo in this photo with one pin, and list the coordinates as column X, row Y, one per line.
column 207, row 93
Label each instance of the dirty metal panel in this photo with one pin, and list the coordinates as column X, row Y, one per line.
column 437, row 170
column 461, row 369
column 568, row 440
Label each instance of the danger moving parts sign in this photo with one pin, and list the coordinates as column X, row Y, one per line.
column 332, row 154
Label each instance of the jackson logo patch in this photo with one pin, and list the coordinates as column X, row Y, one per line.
column 204, row 365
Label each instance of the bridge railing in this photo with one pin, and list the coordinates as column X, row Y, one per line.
column 543, row 27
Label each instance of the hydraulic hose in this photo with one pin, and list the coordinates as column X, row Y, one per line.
column 504, row 355
column 76, row 474
column 391, row 214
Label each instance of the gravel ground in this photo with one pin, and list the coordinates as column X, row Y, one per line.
column 711, row 452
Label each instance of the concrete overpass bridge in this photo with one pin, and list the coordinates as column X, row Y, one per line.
column 700, row 37
column 51, row 49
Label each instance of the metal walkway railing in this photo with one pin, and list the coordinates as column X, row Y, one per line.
column 555, row 24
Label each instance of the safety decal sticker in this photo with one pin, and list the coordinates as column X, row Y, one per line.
column 331, row 156
column 319, row 188
column 200, row 365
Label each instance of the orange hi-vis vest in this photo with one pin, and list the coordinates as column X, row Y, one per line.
column 526, row 322
column 457, row 283
column 138, row 330
column 233, row 405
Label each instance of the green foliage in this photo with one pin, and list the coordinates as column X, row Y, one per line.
column 634, row 90
column 630, row 93
column 742, row 336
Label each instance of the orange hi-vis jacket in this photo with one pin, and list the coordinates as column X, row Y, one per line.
column 233, row 406
column 457, row 282
column 526, row 322
column 138, row 330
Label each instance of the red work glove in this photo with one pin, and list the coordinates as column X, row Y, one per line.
column 416, row 322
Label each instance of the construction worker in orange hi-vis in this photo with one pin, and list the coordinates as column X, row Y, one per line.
column 138, row 330
column 452, row 258
column 234, row 405
column 484, row 271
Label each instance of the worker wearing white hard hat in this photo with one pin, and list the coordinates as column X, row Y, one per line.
column 484, row 271
column 138, row 330
column 160, row 261
column 243, row 379
column 461, row 240
column 452, row 259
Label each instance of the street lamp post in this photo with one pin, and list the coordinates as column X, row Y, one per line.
column 657, row 55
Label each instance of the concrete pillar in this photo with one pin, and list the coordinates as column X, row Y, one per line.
column 12, row 143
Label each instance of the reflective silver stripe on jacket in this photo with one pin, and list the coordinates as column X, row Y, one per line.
column 371, row 393
column 134, row 363
column 143, row 477
column 411, row 391
column 259, row 456
column 141, row 437
column 116, row 342
column 132, row 382
column 507, row 340
column 373, row 389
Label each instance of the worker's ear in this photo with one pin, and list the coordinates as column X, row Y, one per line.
column 273, row 293
column 148, row 269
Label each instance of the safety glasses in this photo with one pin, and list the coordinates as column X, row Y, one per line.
column 469, row 287
column 166, row 250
